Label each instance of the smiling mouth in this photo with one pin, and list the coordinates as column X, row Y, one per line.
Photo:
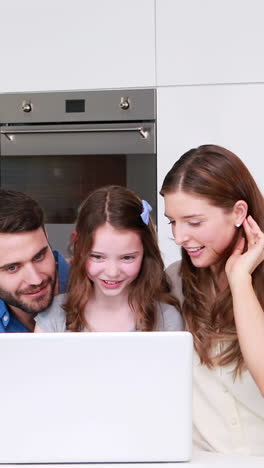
column 111, row 282
column 36, row 291
column 194, row 249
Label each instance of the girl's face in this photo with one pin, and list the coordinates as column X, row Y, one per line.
column 114, row 261
column 202, row 229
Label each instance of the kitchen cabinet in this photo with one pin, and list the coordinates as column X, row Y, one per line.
column 84, row 44
column 205, row 41
column 230, row 116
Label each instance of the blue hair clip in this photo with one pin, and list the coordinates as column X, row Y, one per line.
column 145, row 213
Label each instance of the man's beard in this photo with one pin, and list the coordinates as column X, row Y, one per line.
column 36, row 304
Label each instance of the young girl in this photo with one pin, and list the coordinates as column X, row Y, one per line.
column 216, row 214
column 117, row 281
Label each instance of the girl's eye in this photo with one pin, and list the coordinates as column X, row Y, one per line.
column 171, row 222
column 195, row 224
column 96, row 257
column 128, row 258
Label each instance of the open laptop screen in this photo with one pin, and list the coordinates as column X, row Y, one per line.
column 96, row 397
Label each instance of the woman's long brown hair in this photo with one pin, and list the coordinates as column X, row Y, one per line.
column 219, row 176
column 122, row 209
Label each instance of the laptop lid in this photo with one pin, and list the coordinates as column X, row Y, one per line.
column 96, row 397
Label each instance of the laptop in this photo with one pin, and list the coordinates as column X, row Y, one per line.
column 96, row 397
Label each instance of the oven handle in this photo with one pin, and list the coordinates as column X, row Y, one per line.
column 143, row 132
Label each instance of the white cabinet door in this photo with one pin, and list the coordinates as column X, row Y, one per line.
column 231, row 116
column 80, row 44
column 210, row 41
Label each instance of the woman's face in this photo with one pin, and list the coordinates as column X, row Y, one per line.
column 203, row 230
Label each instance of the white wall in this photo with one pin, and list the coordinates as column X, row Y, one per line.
column 204, row 56
column 230, row 116
column 210, row 79
column 209, row 41
column 80, row 44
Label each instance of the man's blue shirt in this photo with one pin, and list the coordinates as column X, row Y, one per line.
column 8, row 322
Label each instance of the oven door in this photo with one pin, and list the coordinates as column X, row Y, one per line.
column 58, row 165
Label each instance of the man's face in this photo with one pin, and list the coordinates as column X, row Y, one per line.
column 27, row 271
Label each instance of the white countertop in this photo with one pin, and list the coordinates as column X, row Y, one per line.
column 199, row 460
column 210, row 459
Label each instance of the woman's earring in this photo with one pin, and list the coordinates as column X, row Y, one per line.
column 237, row 225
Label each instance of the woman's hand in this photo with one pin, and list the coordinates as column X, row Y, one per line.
column 248, row 312
column 241, row 265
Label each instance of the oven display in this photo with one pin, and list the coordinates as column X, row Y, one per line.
column 74, row 105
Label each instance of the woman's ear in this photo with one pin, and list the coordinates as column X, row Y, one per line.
column 240, row 212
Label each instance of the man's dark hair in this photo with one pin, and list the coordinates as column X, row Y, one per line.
column 19, row 212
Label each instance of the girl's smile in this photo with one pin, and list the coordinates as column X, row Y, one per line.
column 115, row 260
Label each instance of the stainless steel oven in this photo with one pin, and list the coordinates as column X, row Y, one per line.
column 58, row 146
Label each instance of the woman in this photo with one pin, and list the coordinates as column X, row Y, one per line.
column 117, row 280
column 216, row 212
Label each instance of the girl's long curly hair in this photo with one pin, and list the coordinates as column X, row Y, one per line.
column 219, row 176
column 122, row 209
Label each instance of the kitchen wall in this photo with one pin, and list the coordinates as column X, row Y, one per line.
column 80, row 44
column 204, row 56
column 210, row 78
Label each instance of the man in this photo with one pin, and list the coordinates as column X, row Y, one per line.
column 30, row 272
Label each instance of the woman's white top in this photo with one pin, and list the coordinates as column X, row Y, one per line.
column 228, row 415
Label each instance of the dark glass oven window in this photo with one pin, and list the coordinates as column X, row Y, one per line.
column 60, row 183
